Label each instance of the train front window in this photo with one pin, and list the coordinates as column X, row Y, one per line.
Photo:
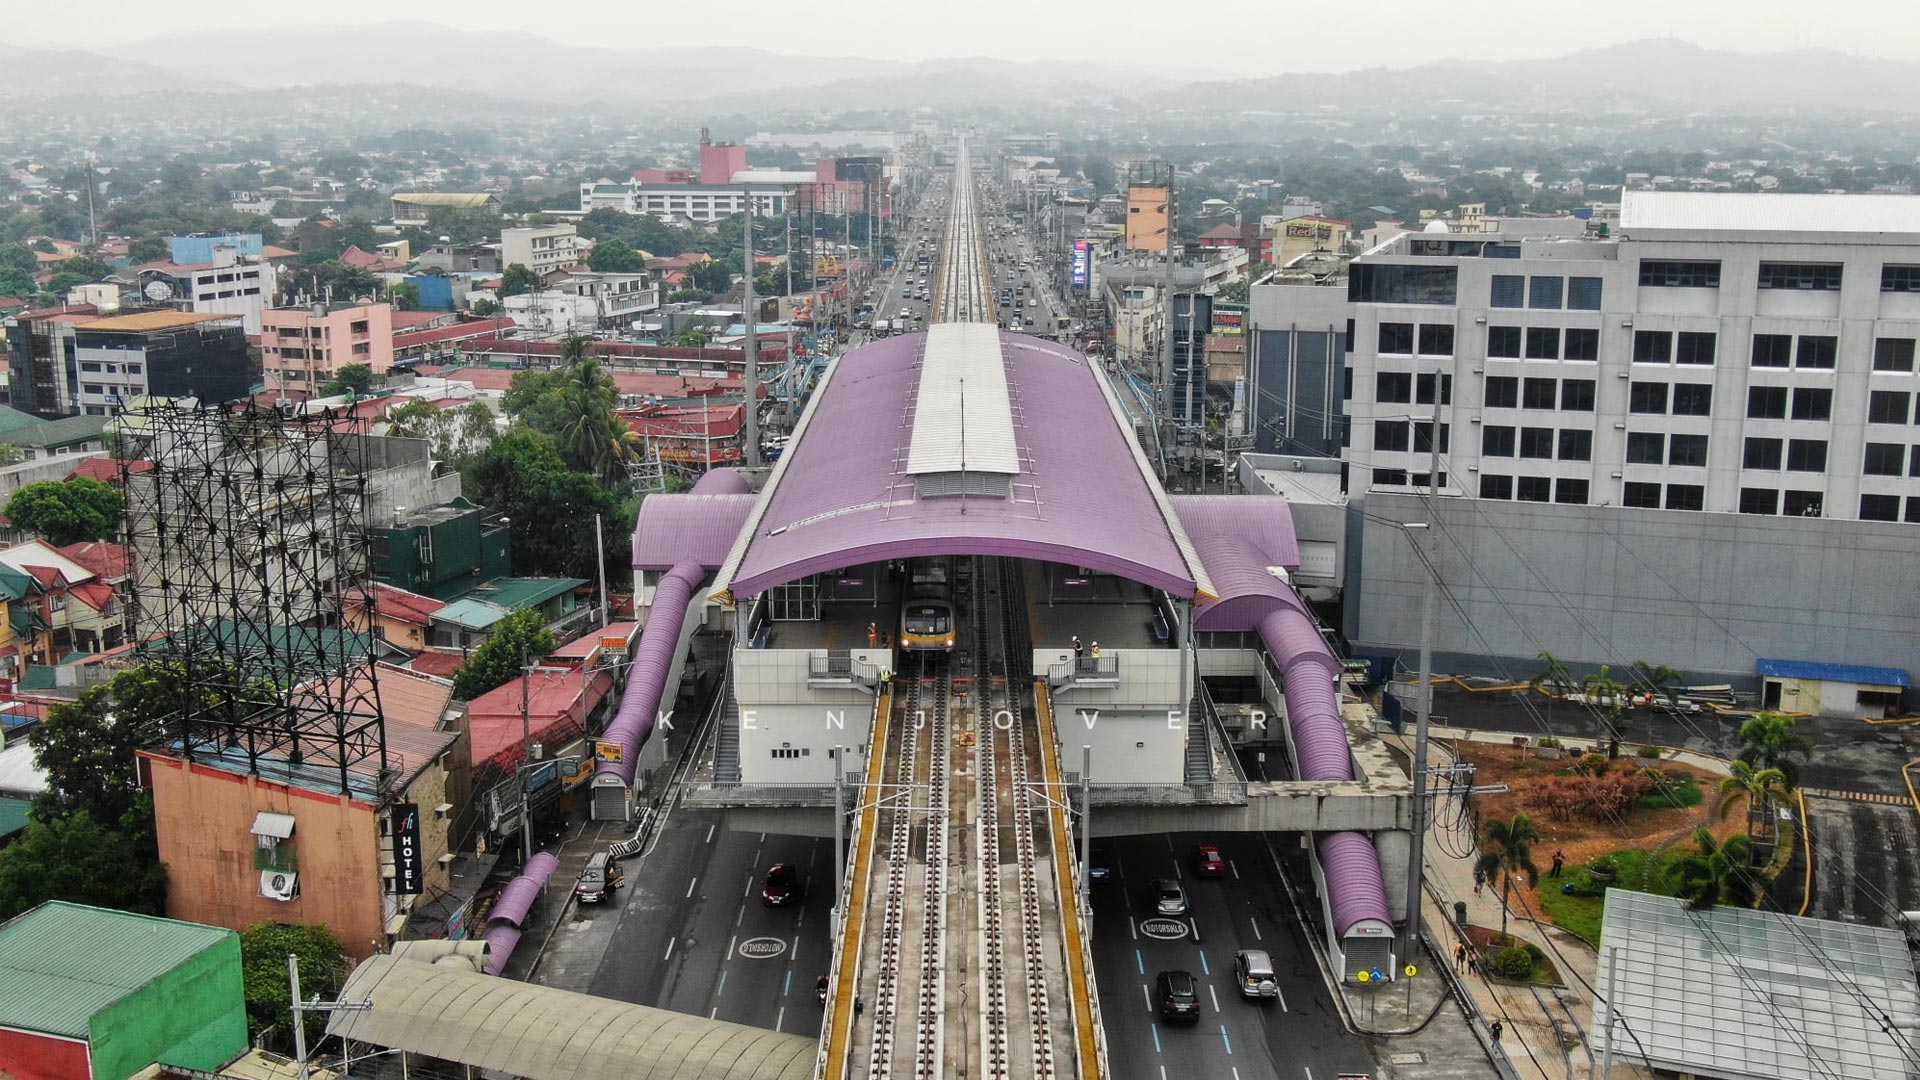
column 927, row 619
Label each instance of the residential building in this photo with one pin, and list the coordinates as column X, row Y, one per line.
column 175, row 354
column 545, row 249
column 720, row 160
column 1718, row 394
column 42, row 439
column 199, row 247
column 64, row 606
column 465, row 623
column 444, row 551
column 395, row 616
column 40, row 362
column 227, row 281
column 284, row 843
column 1301, row 235
column 93, row 994
column 1147, row 206
column 585, row 301
column 410, row 208
column 703, row 436
column 303, row 348
column 702, row 202
column 462, row 259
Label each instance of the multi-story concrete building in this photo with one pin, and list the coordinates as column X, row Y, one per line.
column 585, row 301
column 544, row 249
column 1607, row 405
column 696, row 202
column 159, row 353
column 221, row 278
column 302, row 348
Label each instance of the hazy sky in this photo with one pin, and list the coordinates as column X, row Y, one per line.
column 1242, row 36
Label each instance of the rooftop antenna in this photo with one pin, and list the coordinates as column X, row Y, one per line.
column 93, row 234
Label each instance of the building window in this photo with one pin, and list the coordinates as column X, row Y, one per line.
column 1766, row 403
column 1576, row 395
column 1913, row 509
column 1496, row 441
column 1893, row 354
column 1536, row 443
column 1503, row 342
column 1436, row 339
column 1423, row 434
column 1913, row 466
column 1822, row 277
column 1803, row 504
column 1423, row 389
column 1546, row 292
column 1879, row 508
column 1648, row 398
column 1897, row 278
column 1534, row 489
column 1381, row 283
column 1646, row 448
column 1508, row 290
column 1389, row 478
column 1576, row 444
column 1652, row 346
column 1812, row 403
column 1686, row 497
column 1772, row 350
column 1806, row 455
column 1687, row 450
column 1674, row 274
column 1503, row 392
column 1583, row 293
column 1817, row 351
column 1394, row 387
column 94, row 369
column 1496, row 487
column 1693, row 347
column 1582, row 343
column 1543, row 343
column 1396, row 337
column 1759, row 501
column 1762, row 454
column 1569, row 490
column 1645, row 496
column 1539, row 394
column 1887, row 407
column 1885, row 459
column 1692, row 399
column 1390, row 435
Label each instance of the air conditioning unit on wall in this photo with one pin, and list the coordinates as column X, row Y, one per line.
column 279, row 884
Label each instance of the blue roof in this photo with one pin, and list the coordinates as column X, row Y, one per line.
column 1853, row 673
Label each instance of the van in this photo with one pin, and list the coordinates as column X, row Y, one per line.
column 1253, row 971
column 598, row 880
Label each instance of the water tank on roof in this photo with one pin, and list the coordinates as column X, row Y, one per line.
column 1435, row 227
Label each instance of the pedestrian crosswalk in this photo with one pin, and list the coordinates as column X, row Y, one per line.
column 1856, row 796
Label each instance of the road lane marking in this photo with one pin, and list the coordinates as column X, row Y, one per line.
column 1204, row 969
column 1251, row 921
column 1133, row 925
column 1156, row 1027
column 1231, row 865
column 787, row 985
column 1303, row 1068
column 696, row 880
column 1236, row 1072
column 741, row 916
column 710, row 830
column 721, row 988
column 1227, row 1041
column 781, row 1016
column 1281, row 995
column 671, row 940
column 749, row 889
column 1147, row 995
column 734, row 941
column 1214, row 996
column 714, row 1013
column 1177, row 875
column 796, row 945
column 1139, row 961
column 1193, row 922
column 802, row 919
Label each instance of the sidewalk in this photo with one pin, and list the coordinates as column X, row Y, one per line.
column 1546, row 1028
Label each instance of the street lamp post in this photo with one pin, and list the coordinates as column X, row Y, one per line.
column 1423, row 706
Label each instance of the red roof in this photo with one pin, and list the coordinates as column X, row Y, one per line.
column 686, row 421
column 49, row 576
column 105, row 560
column 95, row 594
column 457, row 332
column 558, row 702
column 627, row 382
column 411, row 607
column 440, row 665
column 107, row 470
column 414, row 320
column 367, row 260
column 63, row 309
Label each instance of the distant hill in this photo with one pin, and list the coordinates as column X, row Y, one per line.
column 43, row 73
column 1650, row 75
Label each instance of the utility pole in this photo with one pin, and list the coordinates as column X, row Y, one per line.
column 1613, row 995
column 526, row 756
column 600, row 548
column 297, row 1011
column 1086, row 811
column 1423, row 706
column 752, row 388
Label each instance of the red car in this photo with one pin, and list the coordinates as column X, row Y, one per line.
column 1208, row 862
column 782, row 888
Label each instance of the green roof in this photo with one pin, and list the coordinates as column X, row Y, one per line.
column 65, row 431
column 514, row 593
column 62, row 963
column 12, row 419
column 39, row 677
column 14, row 584
column 13, row 816
column 470, row 614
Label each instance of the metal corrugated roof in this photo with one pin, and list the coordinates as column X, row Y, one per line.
column 1708, row 211
column 1853, row 673
column 962, row 413
column 541, row 1033
column 61, row 963
column 470, row 614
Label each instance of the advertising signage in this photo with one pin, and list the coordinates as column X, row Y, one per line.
column 1079, row 264
column 409, row 867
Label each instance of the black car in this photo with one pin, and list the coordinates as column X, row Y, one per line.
column 782, row 886
column 1178, row 996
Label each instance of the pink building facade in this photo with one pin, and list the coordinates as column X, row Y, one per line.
column 302, row 348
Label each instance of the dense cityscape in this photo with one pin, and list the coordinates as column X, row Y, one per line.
column 708, row 561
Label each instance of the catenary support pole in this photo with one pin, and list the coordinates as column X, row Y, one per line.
column 299, row 1018
column 1613, row 995
column 752, row 348
column 1423, row 706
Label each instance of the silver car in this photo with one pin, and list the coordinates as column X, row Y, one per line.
column 1253, row 971
column 1169, row 897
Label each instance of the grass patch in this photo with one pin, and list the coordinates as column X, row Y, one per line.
column 1682, row 792
column 1580, row 914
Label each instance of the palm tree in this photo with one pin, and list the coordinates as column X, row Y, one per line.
column 575, row 348
column 587, row 434
column 1556, row 680
column 1509, row 851
column 1601, row 688
column 1768, row 741
column 1758, row 789
column 1659, row 678
column 1720, row 873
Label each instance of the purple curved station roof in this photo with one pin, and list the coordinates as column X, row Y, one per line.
column 841, row 494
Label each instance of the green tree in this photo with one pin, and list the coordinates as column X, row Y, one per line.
column 696, row 338
column 67, row 511
column 1601, row 689
column 1556, row 680
column 519, row 638
column 1509, row 851
column 86, row 266
column 20, row 257
column 484, row 307
column 17, row 283
column 613, row 256
column 356, row 379
column 1767, row 740
column 1234, row 292
column 405, row 296
column 264, row 949
column 516, row 280
column 63, row 282
column 77, row 859
column 148, row 249
column 522, row 475
column 1758, row 790
column 1721, row 872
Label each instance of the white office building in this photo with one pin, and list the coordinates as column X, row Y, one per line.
column 544, row 249
column 697, row 202
column 1692, row 440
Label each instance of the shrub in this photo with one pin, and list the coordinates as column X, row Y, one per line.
column 1648, row 750
column 1591, row 765
column 1513, row 962
column 1539, row 956
column 1547, row 740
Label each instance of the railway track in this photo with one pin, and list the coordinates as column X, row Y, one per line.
column 965, row 291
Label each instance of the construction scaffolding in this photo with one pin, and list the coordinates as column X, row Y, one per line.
column 248, row 537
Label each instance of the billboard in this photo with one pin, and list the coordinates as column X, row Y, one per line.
column 1079, row 265
column 409, row 866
